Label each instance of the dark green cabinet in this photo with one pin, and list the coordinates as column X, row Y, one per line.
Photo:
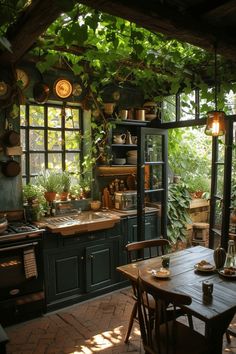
column 81, row 266
column 64, row 273
column 100, row 265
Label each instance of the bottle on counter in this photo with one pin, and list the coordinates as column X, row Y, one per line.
column 230, row 255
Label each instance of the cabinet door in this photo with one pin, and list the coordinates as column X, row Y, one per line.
column 63, row 273
column 100, row 266
column 150, row 228
column 152, row 176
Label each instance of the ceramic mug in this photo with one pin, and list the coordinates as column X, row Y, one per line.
column 207, row 288
column 123, row 114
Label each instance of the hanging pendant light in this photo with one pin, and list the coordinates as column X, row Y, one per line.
column 215, row 119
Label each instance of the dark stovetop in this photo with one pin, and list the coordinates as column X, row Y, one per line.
column 20, row 231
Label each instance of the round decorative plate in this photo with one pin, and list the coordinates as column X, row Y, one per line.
column 22, row 77
column 63, row 88
column 205, row 268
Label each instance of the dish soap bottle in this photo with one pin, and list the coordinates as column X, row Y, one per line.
column 230, row 256
column 219, row 257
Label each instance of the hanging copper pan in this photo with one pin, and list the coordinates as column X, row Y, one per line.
column 10, row 168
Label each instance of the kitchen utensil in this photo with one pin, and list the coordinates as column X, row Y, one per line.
column 41, row 92
column 128, row 138
column 123, row 114
column 10, row 168
column 3, row 224
column 119, row 138
column 119, row 161
column 140, row 114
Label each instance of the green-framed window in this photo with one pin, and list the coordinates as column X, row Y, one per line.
column 50, row 137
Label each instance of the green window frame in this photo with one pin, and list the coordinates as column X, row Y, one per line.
column 51, row 138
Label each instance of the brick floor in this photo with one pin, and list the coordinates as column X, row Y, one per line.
column 95, row 326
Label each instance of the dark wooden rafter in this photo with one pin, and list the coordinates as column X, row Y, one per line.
column 33, row 22
column 159, row 16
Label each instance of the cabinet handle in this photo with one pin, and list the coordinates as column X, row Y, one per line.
column 91, row 256
column 82, row 258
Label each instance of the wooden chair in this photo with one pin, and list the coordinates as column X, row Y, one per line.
column 161, row 335
column 138, row 251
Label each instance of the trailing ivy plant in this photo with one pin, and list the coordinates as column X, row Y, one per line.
column 177, row 213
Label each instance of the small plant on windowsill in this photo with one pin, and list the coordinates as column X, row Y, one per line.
column 34, row 201
column 50, row 181
column 65, row 185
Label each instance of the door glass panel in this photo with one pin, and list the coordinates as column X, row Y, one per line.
column 218, row 215
column 220, row 180
column 153, row 150
column 221, row 149
column 71, row 118
column 73, row 162
column 71, row 143
column 153, row 177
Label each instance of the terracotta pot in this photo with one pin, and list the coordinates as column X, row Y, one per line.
column 64, row 196
column 50, row 196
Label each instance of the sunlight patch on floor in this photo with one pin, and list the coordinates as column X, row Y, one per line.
column 101, row 342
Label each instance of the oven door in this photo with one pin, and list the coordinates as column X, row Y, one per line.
column 20, row 269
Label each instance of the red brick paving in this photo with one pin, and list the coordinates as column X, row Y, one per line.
column 96, row 326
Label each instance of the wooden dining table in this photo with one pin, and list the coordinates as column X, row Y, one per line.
column 217, row 311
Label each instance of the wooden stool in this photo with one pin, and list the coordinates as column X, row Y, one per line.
column 200, row 234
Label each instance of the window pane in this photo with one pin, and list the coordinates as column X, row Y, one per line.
column 71, row 140
column 73, row 162
column 72, row 118
column 206, row 102
column 36, row 140
column 54, row 140
column 23, row 170
column 187, row 106
column 54, row 117
column 37, row 163
column 36, row 116
column 22, row 116
column 169, row 109
column 22, row 138
column 55, row 161
column 220, row 180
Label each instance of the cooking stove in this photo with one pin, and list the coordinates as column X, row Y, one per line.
column 20, row 231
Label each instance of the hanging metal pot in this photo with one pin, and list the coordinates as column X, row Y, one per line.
column 11, row 137
column 10, row 168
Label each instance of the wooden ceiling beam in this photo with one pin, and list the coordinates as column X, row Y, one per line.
column 30, row 26
column 159, row 17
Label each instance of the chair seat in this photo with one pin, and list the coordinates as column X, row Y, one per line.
column 193, row 343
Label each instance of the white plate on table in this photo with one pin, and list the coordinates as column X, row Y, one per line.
column 230, row 276
column 207, row 268
column 161, row 273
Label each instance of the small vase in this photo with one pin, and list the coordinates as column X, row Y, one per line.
column 219, row 257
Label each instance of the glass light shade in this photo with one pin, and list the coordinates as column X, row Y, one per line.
column 215, row 123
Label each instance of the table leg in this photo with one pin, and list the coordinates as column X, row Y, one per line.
column 215, row 330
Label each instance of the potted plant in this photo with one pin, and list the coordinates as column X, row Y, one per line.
column 65, row 185
column 197, row 185
column 34, row 201
column 50, row 181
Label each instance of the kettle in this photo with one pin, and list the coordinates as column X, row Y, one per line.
column 119, row 139
column 128, row 138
